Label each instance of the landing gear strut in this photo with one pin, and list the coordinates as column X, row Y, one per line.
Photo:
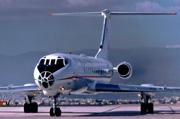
column 30, row 106
column 54, row 110
column 147, row 106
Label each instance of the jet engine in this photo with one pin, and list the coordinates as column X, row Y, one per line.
column 124, row 69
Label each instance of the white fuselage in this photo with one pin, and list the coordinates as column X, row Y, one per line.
column 74, row 73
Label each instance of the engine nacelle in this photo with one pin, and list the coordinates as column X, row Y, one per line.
column 124, row 69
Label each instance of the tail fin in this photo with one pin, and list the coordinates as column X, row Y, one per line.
column 104, row 45
column 104, row 48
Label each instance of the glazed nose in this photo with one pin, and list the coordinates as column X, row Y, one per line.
column 46, row 79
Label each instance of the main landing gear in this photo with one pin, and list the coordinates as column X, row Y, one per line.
column 54, row 110
column 147, row 107
column 30, row 107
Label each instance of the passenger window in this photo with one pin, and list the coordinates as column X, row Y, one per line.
column 53, row 62
column 47, row 62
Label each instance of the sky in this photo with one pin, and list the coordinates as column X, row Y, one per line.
column 26, row 25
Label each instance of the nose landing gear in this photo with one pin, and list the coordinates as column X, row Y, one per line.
column 54, row 110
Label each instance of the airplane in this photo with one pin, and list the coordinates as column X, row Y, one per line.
column 59, row 73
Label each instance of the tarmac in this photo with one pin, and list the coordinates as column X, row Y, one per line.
column 95, row 112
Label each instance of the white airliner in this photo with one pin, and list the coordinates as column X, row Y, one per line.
column 59, row 73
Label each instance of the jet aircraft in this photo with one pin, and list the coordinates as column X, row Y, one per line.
column 59, row 73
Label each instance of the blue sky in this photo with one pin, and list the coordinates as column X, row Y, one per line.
column 25, row 25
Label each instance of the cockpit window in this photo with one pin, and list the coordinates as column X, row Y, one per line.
column 60, row 62
column 47, row 62
column 51, row 65
column 41, row 61
column 66, row 61
column 53, row 62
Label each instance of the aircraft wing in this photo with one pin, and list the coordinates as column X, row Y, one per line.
column 134, row 88
column 23, row 88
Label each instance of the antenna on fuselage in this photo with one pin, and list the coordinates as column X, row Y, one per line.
column 107, row 14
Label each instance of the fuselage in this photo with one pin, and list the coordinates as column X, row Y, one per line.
column 63, row 73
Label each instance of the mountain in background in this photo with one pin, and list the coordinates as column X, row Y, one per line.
column 158, row 66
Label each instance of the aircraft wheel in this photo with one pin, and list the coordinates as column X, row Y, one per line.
column 143, row 108
column 150, row 108
column 34, row 107
column 51, row 112
column 27, row 108
column 58, row 112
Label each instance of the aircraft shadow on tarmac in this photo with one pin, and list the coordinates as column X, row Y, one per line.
column 106, row 113
column 120, row 113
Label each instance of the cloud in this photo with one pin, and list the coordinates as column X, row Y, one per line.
column 100, row 4
column 148, row 6
column 151, row 6
column 176, row 2
column 18, row 9
column 35, row 8
column 172, row 46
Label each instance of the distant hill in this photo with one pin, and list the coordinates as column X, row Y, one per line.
column 158, row 66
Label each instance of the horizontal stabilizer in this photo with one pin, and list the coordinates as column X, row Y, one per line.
column 134, row 13
column 78, row 14
column 109, row 13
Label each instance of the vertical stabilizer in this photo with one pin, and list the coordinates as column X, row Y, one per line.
column 104, row 45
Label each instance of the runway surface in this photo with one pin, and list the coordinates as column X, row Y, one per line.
column 94, row 112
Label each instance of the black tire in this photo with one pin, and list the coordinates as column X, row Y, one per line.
column 150, row 108
column 51, row 112
column 27, row 108
column 143, row 108
column 58, row 112
column 34, row 107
